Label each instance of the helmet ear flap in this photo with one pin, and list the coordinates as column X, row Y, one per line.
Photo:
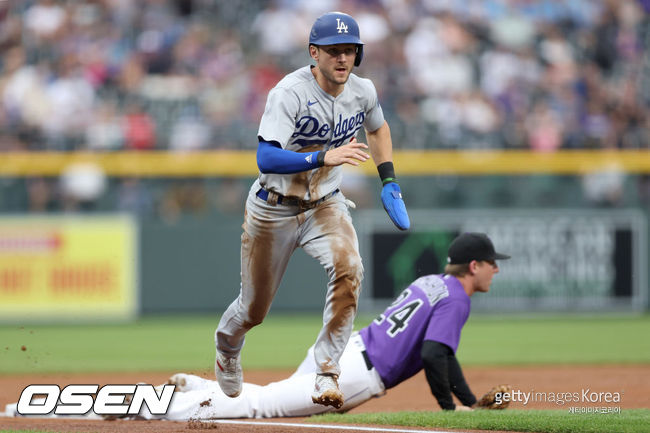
column 359, row 57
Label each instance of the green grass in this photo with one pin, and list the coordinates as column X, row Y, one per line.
column 185, row 343
column 547, row 421
column 555, row 339
column 174, row 343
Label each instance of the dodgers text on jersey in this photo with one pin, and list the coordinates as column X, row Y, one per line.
column 314, row 133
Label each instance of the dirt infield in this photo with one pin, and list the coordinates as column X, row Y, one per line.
column 543, row 385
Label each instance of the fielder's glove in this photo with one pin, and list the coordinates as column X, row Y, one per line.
column 494, row 398
column 391, row 198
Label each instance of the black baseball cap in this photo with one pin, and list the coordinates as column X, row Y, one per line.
column 472, row 246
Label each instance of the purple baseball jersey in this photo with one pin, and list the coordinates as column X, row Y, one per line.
column 433, row 307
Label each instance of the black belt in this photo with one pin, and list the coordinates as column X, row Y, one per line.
column 367, row 359
column 288, row 201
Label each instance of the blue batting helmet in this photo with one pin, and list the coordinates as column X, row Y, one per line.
column 337, row 28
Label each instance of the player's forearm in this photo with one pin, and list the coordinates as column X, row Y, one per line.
column 381, row 149
column 381, row 144
column 273, row 159
column 459, row 386
column 434, row 359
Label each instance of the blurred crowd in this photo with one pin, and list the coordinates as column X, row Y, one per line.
column 193, row 74
column 183, row 75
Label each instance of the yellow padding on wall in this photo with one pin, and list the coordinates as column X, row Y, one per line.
column 407, row 163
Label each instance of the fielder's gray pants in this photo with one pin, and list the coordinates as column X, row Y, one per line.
column 271, row 235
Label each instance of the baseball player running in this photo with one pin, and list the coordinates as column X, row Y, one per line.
column 419, row 330
column 306, row 134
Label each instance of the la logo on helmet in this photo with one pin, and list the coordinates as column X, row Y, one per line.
column 341, row 26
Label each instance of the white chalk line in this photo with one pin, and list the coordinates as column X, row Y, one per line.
column 322, row 426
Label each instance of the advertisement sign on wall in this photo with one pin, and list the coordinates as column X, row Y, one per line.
column 68, row 267
column 561, row 259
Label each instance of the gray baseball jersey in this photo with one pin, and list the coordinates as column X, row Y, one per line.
column 302, row 117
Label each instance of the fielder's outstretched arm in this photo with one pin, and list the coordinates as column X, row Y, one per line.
column 444, row 375
column 459, row 385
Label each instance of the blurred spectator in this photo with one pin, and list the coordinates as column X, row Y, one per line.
column 493, row 66
column 436, row 60
column 24, row 95
column 106, row 130
column 107, row 75
column 139, row 129
column 503, row 70
column 374, row 23
column 134, row 197
column 280, row 30
column 10, row 27
column 479, row 116
column 70, row 102
column 42, row 195
column 544, row 129
column 264, row 75
column 45, row 19
column 604, row 188
column 512, row 31
column 189, row 132
column 82, row 185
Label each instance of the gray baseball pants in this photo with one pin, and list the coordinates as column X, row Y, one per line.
column 271, row 235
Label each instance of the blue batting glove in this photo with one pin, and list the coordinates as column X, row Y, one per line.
column 391, row 198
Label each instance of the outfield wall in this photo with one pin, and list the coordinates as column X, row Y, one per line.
column 563, row 261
